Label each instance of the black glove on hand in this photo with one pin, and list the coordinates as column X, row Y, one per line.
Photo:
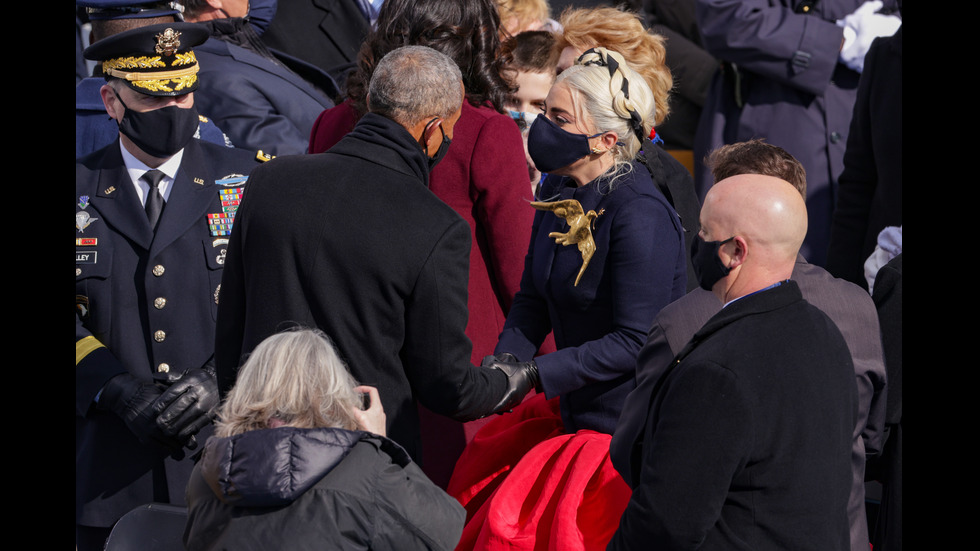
column 133, row 401
column 505, row 357
column 187, row 406
column 521, row 378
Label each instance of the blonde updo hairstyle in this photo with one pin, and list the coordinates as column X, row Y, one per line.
column 294, row 378
column 622, row 32
column 605, row 104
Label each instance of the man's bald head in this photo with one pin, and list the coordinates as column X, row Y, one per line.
column 768, row 219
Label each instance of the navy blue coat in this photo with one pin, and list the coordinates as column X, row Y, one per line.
column 639, row 266
column 260, row 105
column 142, row 301
column 794, row 93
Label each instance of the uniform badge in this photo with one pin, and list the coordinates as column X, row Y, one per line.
column 83, row 201
column 220, row 223
column 220, row 259
column 81, row 304
column 231, row 180
column 86, row 241
column 86, row 257
column 83, row 219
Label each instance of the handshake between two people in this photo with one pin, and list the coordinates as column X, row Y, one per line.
column 166, row 412
column 522, row 377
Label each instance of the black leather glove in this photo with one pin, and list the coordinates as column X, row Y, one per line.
column 521, row 378
column 505, row 357
column 187, row 406
column 133, row 401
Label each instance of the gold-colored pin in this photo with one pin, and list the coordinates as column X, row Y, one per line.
column 580, row 227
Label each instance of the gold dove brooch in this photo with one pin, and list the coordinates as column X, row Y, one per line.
column 580, row 227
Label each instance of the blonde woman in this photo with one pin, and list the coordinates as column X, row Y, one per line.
column 298, row 462
column 622, row 32
column 600, row 306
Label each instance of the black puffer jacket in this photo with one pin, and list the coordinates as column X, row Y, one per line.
column 289, row 488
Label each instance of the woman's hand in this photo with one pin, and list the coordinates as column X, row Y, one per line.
column 373, row 418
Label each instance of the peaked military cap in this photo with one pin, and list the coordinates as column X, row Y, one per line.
column 129, row 9
column 156, row 60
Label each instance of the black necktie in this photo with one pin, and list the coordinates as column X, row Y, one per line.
column 154, row 199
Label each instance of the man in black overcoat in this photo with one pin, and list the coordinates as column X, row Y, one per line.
column 148, row 261
column 352, row 241
column 849, row 306
column 747, row 443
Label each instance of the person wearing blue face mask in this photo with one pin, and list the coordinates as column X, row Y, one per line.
column 599, row 305
column 529, row 60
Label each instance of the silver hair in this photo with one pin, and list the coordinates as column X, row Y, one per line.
column 293, row 378
column 414, row 82
column 606, row 104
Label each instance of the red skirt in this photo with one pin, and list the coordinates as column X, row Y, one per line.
column 527, row 485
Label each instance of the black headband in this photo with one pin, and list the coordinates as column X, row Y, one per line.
column 636, row 122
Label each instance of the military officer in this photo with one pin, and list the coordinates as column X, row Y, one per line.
column 153, row 212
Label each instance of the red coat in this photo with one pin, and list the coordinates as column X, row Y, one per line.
column 484, row 178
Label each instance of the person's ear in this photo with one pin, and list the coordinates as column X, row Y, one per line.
column 111, row 102
column 608, row 140
column 432, row 134
column 737, row 251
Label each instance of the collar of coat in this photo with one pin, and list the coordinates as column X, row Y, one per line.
column 382, row 141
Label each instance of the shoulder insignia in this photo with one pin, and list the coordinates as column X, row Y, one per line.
column 263, row 157
column 202, row 118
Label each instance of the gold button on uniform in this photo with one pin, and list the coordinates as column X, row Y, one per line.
column 158, row 270
column 159, row 303
column 159, row 336
column 163, row 368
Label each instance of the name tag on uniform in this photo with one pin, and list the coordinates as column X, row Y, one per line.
column 85, row 257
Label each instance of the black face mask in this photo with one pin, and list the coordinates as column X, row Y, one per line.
column 708, row 267
column 161, row 132
column 552, row 147
column 443, row 147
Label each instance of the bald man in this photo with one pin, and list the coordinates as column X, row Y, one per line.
column 747, row 440
column 849, row 306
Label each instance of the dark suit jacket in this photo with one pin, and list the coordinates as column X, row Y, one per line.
column 638, row 267
column 851, row 310
column 122, row 271
column 747, row 440
column 325, row 33
column 352, row 242
column 888, row 468
column 870, row 196
column 260, row 105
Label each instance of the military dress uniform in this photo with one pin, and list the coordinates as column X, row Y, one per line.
column 146, row 303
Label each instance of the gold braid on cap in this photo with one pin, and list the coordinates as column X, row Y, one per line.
column 157, row 80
